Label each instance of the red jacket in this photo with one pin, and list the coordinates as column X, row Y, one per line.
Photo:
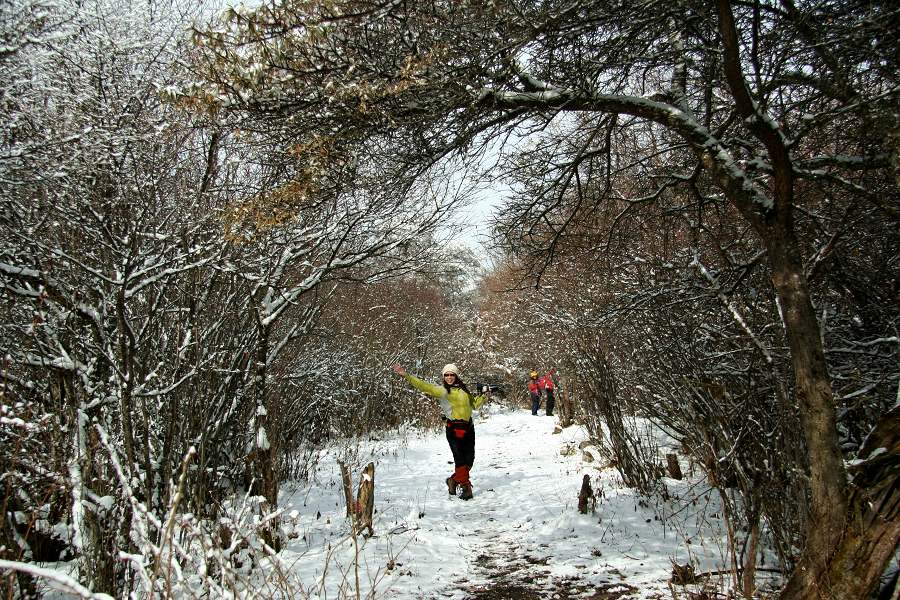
column 546, row 382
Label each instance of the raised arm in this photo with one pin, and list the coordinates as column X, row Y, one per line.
column 435, row 391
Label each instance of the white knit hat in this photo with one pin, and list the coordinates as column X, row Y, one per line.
column 450, row 368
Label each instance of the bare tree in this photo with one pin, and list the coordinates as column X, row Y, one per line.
column 765, row 105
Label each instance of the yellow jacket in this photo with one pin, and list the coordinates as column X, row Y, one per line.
column 456, row 404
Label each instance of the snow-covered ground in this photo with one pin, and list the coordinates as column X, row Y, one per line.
column 522, row 530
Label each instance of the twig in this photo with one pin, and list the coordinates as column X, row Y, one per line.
column 170, row 524
column 62, row 579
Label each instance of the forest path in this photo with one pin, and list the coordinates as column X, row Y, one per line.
column 514, row 511
column 520, row 538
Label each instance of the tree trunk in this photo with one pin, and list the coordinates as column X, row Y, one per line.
column 674, row 467
column 98, row 550
column 871, row 537
column 566, row 416
column 852, row 531
column 748, row 569
column 812, row 388
column 264, row 462
column 812, row 385
column 127, row 384
column 872, row 529
column 94, row 535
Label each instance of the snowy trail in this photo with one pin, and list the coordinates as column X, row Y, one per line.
column 522, row 531
column 535, row 485
column 501, row 545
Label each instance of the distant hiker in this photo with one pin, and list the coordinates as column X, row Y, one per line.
column 534, row 390
column 546, row 384
column 457, row 403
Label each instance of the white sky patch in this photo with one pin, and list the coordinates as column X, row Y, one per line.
column 470, row 223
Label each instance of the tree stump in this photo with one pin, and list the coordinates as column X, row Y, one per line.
column 674, row 467
column 348, row 487
column 586, row 498
column 360, row 510
column 365, row 501
column 682, row 574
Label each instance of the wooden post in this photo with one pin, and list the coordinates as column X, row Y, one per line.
column 565, row 405
column 365, row 500
column 674, row 468
column 348, row 487
column 586, row 496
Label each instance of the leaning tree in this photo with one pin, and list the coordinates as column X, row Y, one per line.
column 764, row 106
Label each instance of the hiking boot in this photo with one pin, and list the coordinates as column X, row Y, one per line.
column 451, row 486
column 466, row 492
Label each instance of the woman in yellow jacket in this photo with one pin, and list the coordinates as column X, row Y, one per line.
column 457, row 402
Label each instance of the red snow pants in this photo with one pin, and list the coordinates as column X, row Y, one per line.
column 461, row 437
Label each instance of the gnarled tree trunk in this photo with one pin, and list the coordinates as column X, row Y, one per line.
column 871, row 528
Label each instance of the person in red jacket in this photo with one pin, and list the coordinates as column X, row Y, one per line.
column 534, row 391
column 547, row 385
